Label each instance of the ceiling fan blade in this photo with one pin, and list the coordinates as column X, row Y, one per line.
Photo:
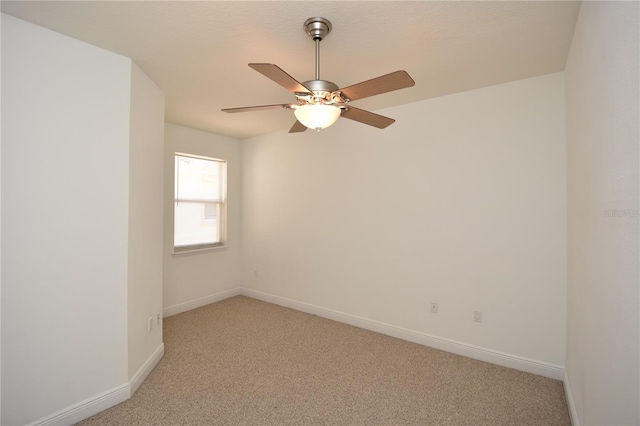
column 298, row 127
column 376, row 86
column 367, row 117
column 275, row 73
column 258, row 108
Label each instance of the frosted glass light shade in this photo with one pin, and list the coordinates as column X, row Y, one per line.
column 317, row 116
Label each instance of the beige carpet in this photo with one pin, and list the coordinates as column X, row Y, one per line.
column 246, row 362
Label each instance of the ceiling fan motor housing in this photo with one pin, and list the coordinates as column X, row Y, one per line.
column 320, row 85
column 322, row 91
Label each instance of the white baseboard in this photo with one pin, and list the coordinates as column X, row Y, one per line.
column 459, row 348
column 573, row 414
column 87, row 408
column 108, row 399
column 193, row 304
column 146, row 368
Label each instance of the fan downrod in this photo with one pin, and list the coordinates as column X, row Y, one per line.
column 317, row 29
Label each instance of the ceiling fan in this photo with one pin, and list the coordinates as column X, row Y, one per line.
column 319, row 103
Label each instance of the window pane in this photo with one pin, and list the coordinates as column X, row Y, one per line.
column 197, row 179
column 194, row 223
column 210, row 211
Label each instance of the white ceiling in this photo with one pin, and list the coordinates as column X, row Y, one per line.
column 198, row 51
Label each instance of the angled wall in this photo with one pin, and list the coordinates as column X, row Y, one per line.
column 146, row 196
column 82, row 220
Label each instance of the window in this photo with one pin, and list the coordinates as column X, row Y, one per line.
column 199, row 202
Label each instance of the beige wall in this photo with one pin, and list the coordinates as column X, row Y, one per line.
column 461, row 202
column 65, row 167
column 82, row 216
column 192, row 280
column 603, row 322
column 146, row 195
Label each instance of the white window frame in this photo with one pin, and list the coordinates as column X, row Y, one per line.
column 222, row 206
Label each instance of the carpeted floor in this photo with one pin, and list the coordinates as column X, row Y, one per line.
column 247, row 362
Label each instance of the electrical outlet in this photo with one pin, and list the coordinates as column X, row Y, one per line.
column 434, row 308
column 477, row 316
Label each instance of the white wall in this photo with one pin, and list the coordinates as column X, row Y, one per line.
column 65, row 133
column 461, row 202
column 602, row 92
column 146, row 195
column 196, row 279
column 0, row 239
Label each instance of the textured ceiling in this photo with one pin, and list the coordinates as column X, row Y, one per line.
column 198, row 51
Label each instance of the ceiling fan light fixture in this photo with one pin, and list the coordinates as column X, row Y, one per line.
column 317, row 116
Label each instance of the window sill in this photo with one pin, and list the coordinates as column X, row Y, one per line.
column 199, row 251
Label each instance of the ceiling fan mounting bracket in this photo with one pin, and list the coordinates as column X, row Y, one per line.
column 317, row 28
